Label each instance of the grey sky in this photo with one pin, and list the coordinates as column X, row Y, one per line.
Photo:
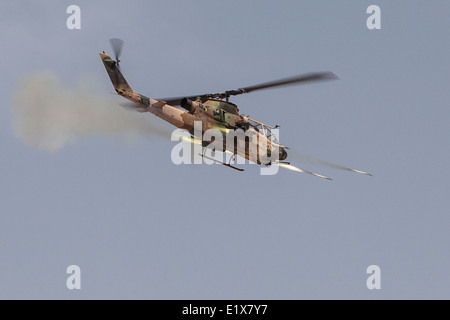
column 141, row 227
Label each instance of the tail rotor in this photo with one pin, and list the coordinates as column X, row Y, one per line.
column 117, row 45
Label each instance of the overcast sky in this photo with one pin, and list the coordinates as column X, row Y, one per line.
column 141, row 227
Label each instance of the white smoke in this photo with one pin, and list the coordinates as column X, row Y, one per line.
column 49, row 116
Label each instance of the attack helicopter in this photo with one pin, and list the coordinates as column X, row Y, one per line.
column 258, row 143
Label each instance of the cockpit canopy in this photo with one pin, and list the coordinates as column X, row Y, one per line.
column 263, row 129
column 224, row 105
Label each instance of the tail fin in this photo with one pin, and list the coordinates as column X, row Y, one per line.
column 120, row 84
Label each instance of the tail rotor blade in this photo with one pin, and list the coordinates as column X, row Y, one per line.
column 117, row 45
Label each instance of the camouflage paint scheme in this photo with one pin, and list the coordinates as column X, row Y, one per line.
column 214, row 114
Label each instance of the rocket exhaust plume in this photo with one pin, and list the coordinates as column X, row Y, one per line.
column 48, row 116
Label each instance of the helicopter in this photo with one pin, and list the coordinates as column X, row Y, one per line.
column 256, row 142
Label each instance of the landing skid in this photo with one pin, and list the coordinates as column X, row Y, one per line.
column 222, row 163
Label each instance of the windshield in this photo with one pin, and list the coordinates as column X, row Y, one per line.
column 264, row 129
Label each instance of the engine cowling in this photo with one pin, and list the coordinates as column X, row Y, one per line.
column 189, row 105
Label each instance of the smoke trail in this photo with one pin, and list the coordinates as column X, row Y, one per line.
column 303, row 158
column 49, row 116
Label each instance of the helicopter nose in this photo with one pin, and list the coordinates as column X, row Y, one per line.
column 283, row 154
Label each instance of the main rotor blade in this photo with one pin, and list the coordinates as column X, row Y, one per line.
column 117, row 45
column 305, row 78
